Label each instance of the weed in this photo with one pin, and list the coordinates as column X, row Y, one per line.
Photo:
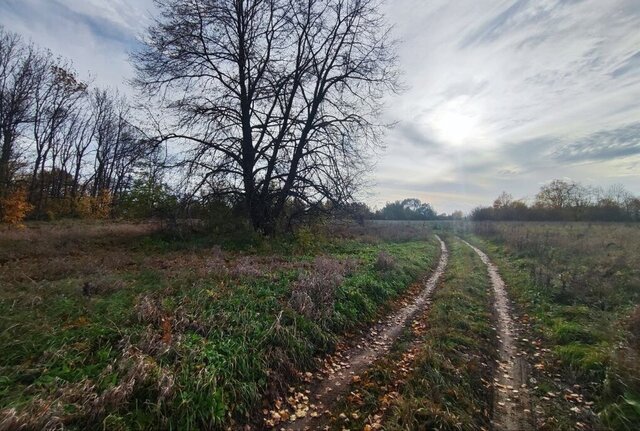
column 384, row 261
column 314, row 293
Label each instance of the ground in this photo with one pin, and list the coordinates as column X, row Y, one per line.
column 499, row 326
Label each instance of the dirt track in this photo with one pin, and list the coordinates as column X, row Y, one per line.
column 512, row 408
column 346, row 366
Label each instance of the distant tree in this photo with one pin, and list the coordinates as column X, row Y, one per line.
column 567, row 201
column 483, row 214
column 556, row 194
column 276, row 100
column 503, row 201
column 633, row 209
column 408, row 209
column 457, row 215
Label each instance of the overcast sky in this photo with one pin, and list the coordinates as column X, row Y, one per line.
column 502, row 94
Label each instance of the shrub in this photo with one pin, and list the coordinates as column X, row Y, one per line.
column 98, row 207
column 15, row 207
column 102, row 205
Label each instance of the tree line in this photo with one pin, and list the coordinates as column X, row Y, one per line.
column 67, row 148
column 270, row 108
column 565, row 200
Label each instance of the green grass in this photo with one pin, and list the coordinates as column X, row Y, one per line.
column 453, row 353
column 578, row 284
column 199, row 348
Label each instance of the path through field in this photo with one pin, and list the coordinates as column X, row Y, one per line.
column 346, row 366
column 511, row 409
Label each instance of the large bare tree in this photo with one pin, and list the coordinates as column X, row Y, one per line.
column 276, row 100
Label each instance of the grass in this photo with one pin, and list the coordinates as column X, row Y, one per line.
column 126, row 326
column 576, row 284
column 437, row 375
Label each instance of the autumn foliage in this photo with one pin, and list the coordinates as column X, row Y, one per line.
column 15, row 207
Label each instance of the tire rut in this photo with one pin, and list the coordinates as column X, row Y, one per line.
column 512, row 409
column 371, row 347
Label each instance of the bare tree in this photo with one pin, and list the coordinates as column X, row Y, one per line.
column 57, row 95
column 118, row 144
column 276, row 100
column 18, row 63
column 559, row 194
column 503, row 201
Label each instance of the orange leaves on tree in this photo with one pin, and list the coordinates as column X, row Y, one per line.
column 15, row 207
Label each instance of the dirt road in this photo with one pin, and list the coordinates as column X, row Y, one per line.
column 512, row 409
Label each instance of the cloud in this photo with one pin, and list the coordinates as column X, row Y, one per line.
column 96, row 35
column 604, row 145
column 505, row 93
column 631, row 65
column 412, row 133
column 496, row 26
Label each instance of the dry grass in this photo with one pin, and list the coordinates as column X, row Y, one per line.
column 595, row 264
column 384, row 261
column 314, row 293
column 634, row 328
column 376, row 231
column 579, row 285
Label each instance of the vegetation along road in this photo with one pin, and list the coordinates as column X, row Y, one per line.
column 343, row 367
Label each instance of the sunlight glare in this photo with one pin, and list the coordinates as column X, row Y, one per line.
column 456, row 125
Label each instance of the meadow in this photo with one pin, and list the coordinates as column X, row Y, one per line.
column 126, row 326
column 574, row 290
column 131, row 326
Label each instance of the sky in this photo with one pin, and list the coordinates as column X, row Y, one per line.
column 500, row 94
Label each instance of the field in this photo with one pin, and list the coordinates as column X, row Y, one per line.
column 129, row 326
column 135, row 326
column 576, row 288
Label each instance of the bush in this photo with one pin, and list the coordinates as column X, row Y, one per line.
column 98, row 207
column 15, row 207
column 146, row 199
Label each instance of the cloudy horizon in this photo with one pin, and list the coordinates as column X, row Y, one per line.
column 501, row 94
